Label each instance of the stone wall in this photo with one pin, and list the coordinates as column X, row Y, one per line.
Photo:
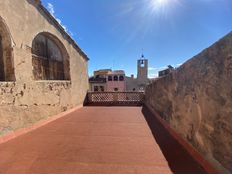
column 24, row 104
column 23, row 100
column 196, row 100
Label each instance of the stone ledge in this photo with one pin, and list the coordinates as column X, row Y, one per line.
column 53, row 81
column 2, row 83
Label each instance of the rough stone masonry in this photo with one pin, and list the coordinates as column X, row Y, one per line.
column 196, row 100
column 42, row 70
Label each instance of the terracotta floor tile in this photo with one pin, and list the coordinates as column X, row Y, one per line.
column 92, row 140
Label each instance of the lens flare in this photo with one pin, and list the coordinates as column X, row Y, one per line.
column 159, row 2
column 163, row 6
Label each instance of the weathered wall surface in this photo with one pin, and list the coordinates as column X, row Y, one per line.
column 196, row 100
column 133, row 84
column 25, row 101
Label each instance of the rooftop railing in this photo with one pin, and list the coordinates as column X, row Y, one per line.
column 115, row 98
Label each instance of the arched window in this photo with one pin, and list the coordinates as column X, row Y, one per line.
column 6, row 58
column 49, row 58
column 121, row 78
column 115, row 78
column 110, row 78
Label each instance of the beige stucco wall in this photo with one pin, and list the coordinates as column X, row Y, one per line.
column 131, row 84
column 196, row 100
column 137, row 84
column 26, row 101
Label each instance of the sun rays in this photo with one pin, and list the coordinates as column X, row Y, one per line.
column 163, row 7
column 145, row 17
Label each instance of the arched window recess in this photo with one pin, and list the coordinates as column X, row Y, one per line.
column 6, row 53
column 50, row 59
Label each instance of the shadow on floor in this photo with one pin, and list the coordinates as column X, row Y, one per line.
column 180, row 161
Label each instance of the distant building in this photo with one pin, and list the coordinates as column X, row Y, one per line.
column 97, row 84
column 139, row 83
column 116, row 81
column 108, row 80
column 166, row 71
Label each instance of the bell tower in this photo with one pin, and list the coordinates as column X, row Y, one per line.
column 142, row 68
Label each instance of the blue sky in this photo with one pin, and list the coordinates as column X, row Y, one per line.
column 114, row 33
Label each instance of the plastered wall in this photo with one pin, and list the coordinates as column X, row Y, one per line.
column 24, row 101
column 196, row 100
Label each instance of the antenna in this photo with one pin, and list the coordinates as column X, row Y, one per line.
column 142, row 56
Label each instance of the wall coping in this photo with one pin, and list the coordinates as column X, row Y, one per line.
column 7, row 82
column 38, row 81
column 53, row 81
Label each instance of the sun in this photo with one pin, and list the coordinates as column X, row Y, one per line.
column 161, row 7
column 157, row 4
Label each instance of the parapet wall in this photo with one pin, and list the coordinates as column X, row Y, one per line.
column 22, row 105
column 23, row 99
column 196, row 100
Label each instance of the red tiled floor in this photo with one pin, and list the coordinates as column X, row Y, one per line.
column 92, row 140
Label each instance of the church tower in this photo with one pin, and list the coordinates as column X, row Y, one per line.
column 142, row 68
